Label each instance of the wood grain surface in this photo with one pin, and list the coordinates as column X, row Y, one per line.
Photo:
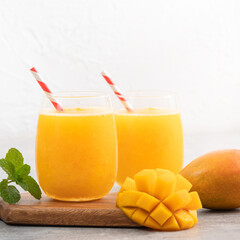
column 102, row 212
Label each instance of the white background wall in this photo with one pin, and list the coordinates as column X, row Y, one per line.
column 189, row 46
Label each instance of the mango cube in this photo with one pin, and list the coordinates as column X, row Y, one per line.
column 184, row 219
column 128, row 198
column 182, row 183
column 160, row 200
column 145, row 180
column 147, row 202
column 177, row 200
column 129, row 184
column 165, row 185
column 193, row 213
column 151, row 223
column 195, row 202
column 161, row 213
column 171, row 225
column 128, row 211
column 139, row 216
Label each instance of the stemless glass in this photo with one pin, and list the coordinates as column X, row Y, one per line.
column 76, row 150
column 151, row 136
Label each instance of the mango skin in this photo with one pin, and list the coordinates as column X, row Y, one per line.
column 216, row 178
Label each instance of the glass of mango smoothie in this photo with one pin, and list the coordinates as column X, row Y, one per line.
column 150, row 136
column 76, row 149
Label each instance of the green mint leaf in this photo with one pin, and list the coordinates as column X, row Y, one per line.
column 33, row 187
column 23, row 185
column 15, row 157
column 8, row 167
column 9, row 193
column 23, row 172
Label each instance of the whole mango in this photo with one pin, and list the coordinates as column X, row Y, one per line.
column 216, row 178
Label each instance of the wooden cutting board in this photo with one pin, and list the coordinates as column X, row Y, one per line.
column 102, row 212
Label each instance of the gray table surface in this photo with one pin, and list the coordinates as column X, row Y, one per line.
column 212, row 225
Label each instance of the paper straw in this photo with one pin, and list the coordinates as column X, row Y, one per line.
column 46, row 89
column 117, row 92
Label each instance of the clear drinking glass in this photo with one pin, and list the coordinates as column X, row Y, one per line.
column 76, row 150
column 151, row 136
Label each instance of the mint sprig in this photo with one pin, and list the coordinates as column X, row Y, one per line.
column 17, row 172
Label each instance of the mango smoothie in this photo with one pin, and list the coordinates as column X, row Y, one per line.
column 148, row 138
column 76, row 153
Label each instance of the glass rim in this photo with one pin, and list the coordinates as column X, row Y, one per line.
column 79, row 94
column 151, row 94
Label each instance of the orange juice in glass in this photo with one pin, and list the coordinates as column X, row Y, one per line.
column 76, row 150
column 151, row 136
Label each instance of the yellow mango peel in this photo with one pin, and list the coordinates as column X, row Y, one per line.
column 159, row 199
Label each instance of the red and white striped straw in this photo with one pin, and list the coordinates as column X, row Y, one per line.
column 45, row 89
column 117, row 92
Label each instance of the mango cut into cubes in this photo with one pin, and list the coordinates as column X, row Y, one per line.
column 145, row 180
column 147, row 202
column 195, row 202
column 177, row 200
column 159, row 199
column 166, row 182
column 184, row 219
column 129, row 184
column 182, row 183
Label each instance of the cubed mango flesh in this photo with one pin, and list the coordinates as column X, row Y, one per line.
column 171, row 225
column 193, row 213
column 147, row 202
column 139, row 216
column 160, row 200
column 128, row 198
column 161, row 213
column 184, row 219
column 129, row 184
column 182, row 183
column 151, row 223
column 195, row 202
column 177, row 200
column 129, row 211
column 166, row 182
column 145, row 180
